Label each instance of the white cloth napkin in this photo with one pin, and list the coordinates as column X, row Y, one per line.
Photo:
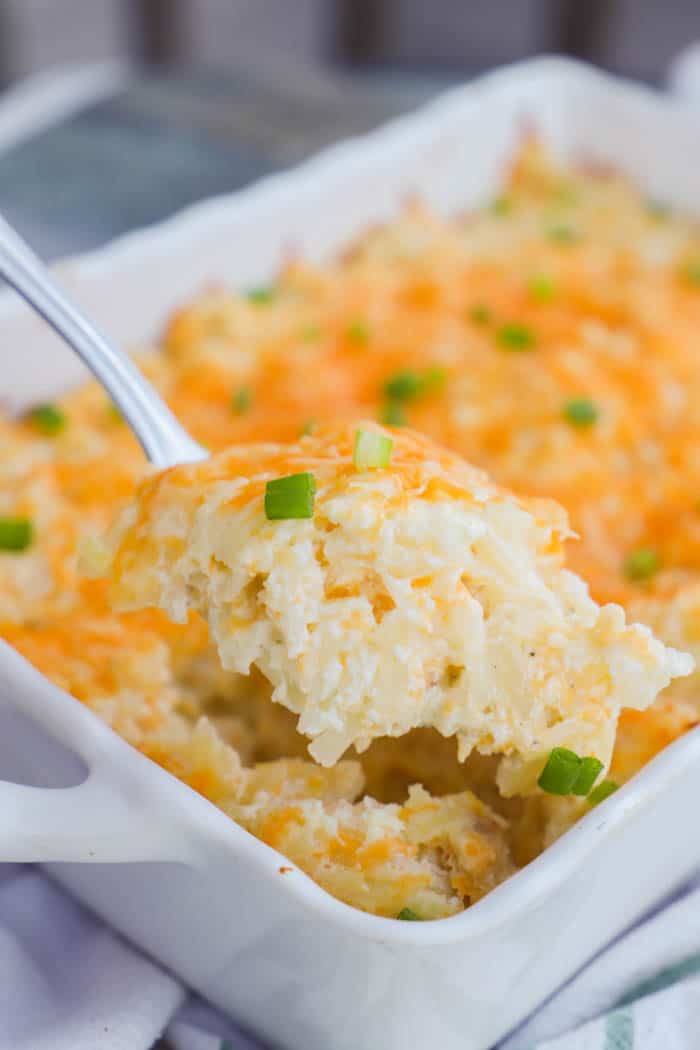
column 67, row 982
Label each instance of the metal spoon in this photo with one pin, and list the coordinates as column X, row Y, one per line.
column 162, row 438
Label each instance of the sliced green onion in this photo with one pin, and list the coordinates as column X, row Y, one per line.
column 47, row 418
column 371, row 450
column 290, row 497
column 515, row 337
column 408, row 385
column 541, row 288
column 409, row 915
column 480, row 314
column 393, row 414
column 588, row 773
column 691, row 272
column 308, row 427
column 16, row 534
column 658, row 210
column 604, row 790
column 560, row 772
column 580, row 412
column 261, row 296
column 641, row 564
column 562, row 234
column 501, row 205
column 404, row 386
column 358, row 332
column 241, row 400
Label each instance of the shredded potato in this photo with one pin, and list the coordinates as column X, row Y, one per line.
column 549, row 339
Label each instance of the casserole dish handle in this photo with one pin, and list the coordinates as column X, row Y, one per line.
column 109, row 813
column 95, row 822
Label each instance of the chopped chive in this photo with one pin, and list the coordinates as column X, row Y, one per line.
column 307, row 428
column 480, row 314
column 658, row 210
column 409, row 915
column 371, row 450
column 501, row 205
column 16, row 534
column 48, row 418
column 357, row 332
column 580, row 412
column 404, row 386
column 241, row 400
column 561, row 771
column 541, row 288
column 393, row 414
column 691, row 272
column 562, row 234
column 588, row 773
column 602, row 791
column 515, row 337
column 261, row 296
column 290, row 497
column 641, row 564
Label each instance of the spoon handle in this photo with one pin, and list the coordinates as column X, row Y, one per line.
column 162, row 438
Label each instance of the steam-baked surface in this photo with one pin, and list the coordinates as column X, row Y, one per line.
column 568, row 287
column 419, row 594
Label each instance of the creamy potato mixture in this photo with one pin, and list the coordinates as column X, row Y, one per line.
column 550, row 339
column 381, row 584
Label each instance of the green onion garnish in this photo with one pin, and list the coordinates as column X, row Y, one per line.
column 408, row 915
column 371, row 450
column 241, row 400
column 261, row 296
column 404, row 386
column 691, row 271
column 47, row 418
column 393, row 414
column 290, row 497
column 114, row 412
column 501, row 205
column 515, row 337
column 658, row 210
column 565, row 773
column 588, row 773
column 641, row 564
column 308, row 427
column 16, row 534
column 580, row 412
column 560, row 772
column 480, row 314
column 357, row 332
column 562, row 234
column 407, row 386
column 602, row 791
column 541, row 288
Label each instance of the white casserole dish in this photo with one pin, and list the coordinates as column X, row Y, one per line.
column 194, row 889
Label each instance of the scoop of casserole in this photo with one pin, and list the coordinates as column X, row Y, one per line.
column 381, row 583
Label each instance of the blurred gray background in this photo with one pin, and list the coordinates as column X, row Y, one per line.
column 637, row 37
column 213, row 94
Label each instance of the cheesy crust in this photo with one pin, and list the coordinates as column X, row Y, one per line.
column 570, row 288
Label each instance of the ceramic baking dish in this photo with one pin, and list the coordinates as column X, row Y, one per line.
column 218, row 907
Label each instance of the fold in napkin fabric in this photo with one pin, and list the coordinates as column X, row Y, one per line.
column 67, row 982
